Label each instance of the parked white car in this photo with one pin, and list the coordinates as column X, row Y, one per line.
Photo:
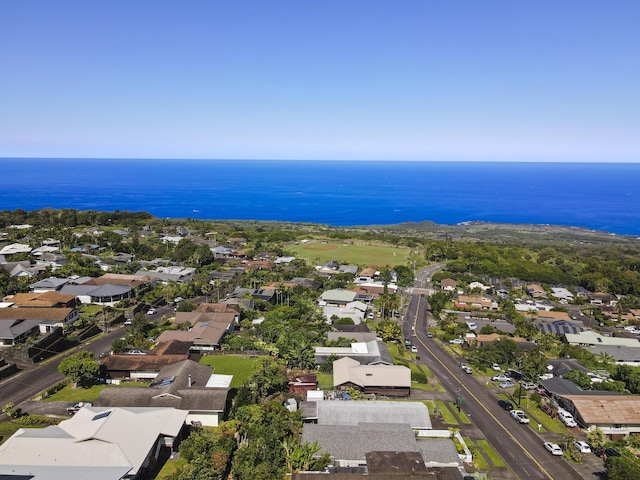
column 500, row 378
column 518, row 416
column 507, row 385
column 496, row 367
column 582, row 447
column 457, row 341
column 553, row 448
column 529, row 385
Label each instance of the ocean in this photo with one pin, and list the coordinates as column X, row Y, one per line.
column 342, row 193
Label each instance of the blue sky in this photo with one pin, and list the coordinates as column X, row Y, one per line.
column 348, row 79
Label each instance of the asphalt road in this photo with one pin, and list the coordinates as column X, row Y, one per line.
column 519, row 446
column 28, row 383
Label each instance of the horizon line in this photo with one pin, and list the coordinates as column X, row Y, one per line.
column 201, row 159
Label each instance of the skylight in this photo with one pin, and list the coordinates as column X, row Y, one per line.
column 101, row 415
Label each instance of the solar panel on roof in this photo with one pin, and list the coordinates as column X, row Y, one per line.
column 101, row 415
column 166, row 381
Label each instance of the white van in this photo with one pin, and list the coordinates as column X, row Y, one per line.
column 472, row 325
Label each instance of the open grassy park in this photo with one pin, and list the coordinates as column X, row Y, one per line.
column 319, row 252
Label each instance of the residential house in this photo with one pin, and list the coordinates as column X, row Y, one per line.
column 448, row 285
column 416, row 414
column 97, row 442
column 43, row 300
column 51, row 284
column 591, row 338
column 617, row 416
column 303, row 382
column 204, row 335
column 353, row 310
column 16, row 324
column 620, row 354
column 337, row 297
column 602, row 299
column 165, row 274
column 185, row 385
column 562, row 293
column 536, row 291
column 386, row 380
column 367, row 353
column 475, row 301
column 126, row 366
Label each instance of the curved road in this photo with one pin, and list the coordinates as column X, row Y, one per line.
column 518, row 445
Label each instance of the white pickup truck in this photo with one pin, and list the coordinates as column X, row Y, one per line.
column 518, row 416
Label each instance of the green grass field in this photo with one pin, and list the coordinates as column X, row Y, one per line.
column 240, row 366
column 70, row 394
column 319, row 252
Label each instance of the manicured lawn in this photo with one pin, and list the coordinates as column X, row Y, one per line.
column 240, row 366
column 461, row 415
column 320, row 252
column 490, row 453
column 170, row 468
column 431, row 405
column 538, row 416
column 478, row 459
column 70, row 394
column 447, row 416
column 325, row 381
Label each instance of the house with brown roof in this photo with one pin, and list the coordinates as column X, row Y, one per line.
column 303, row 383
column 483, row 340
column 475, row 301
column 203, row 336
column 387, row 380
column 43, row 300
column 16, row 324
column 448, row 284
column 185, row 385
column 618, row 416
column 536, row 291
column 125, row 366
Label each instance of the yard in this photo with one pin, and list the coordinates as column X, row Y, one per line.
column 240, row 366
column 320, row 252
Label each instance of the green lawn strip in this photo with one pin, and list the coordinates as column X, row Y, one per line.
column 490, row 453
column 431, row 405
column 479, row 461
column 461, row 415
column 447, row 416
column 538, row 416
column 240, row 366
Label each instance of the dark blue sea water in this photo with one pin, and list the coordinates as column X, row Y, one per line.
column 598, row 196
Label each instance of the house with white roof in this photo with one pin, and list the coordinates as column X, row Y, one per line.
column 368, row 353
column 97, row 443
column 591, row 338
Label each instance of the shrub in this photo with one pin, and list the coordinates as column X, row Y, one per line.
column 419, row 377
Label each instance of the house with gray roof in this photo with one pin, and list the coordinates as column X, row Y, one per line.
column 337, row 297
column 349, row 445
column 621, row 354
column 415, row 414
column 184, row 385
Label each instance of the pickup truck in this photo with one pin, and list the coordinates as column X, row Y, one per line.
column 518, row 416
